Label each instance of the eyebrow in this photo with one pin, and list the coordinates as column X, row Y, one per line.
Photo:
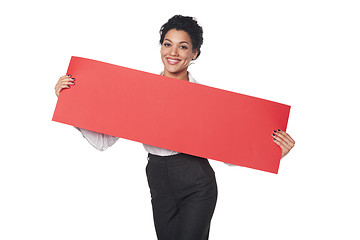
column 180, row 42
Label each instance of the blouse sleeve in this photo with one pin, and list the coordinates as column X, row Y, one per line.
column 99, row 141
column 231, row 165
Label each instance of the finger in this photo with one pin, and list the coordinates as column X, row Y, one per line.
column 281, row 140
column 280, row 144
column 65, row 76
column 59, row 88
column 64, row 84
column 66, row 81
column 284, row 149
column 285, row 137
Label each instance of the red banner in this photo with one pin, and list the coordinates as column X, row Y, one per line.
column 173, row 114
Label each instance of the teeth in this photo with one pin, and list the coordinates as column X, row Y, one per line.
column 173, row 61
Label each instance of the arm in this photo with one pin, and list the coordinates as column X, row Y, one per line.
column 99, row 141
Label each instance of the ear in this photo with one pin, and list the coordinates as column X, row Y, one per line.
column 195, row 53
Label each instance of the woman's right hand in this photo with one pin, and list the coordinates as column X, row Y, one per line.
column 64, row 82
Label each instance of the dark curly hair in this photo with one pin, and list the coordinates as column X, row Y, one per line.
column 187, row 24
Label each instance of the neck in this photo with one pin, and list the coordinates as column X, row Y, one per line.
column 183, row 75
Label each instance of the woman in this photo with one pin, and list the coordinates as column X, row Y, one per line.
column 183, row 187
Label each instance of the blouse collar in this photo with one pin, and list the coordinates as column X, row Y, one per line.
column 191, row 79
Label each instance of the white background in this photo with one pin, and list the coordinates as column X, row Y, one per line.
column 54, row 185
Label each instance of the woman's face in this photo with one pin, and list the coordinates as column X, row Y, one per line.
column 177, row 52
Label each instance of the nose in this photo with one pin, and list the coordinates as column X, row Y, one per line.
column 174, row 51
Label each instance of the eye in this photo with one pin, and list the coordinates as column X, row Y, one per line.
column 167, row 44
column 183, row 47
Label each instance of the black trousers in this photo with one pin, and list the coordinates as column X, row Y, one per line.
column 183, row 196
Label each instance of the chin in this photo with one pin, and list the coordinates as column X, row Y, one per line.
column 174, row 69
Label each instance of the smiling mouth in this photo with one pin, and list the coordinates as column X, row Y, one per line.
column 172, row 61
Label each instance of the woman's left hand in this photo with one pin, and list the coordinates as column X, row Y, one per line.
column 284, row 140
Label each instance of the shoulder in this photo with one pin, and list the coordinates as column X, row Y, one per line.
column 191, row 79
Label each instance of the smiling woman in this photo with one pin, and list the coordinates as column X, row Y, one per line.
column 180, row 39
column 183, row 187
column 176, row 54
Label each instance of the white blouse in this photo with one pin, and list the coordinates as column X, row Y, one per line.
column 102, row 141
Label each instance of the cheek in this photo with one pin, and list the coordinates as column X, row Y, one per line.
column 189, row 57
column 162, row 51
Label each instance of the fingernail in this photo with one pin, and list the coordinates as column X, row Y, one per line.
column 279, row 130
column 69, row 75
column 274, row 131
column 73, row 78
column 274, row 139
column 273, row 135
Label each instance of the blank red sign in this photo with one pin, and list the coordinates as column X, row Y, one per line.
column 172, row 114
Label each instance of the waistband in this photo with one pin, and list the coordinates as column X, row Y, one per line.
column 179, row 158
